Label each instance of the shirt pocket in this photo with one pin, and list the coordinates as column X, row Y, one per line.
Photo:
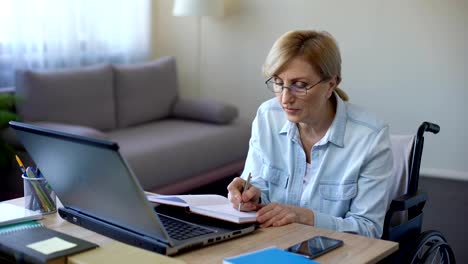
column 277, row 181
column 335, row 199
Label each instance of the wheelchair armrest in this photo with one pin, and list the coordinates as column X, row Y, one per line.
column 406, row 201
column 413, row 204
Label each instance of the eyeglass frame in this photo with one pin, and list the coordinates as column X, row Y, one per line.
column 291, row 88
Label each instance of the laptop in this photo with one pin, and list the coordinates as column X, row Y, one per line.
column 99, row 192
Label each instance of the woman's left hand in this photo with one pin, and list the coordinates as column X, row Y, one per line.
column 275, row 214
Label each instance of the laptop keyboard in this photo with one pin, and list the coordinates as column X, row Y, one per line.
column 181, row 230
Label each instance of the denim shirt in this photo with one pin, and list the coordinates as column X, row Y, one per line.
column 348, row 189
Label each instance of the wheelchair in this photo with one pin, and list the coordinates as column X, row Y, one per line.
column 403, row 220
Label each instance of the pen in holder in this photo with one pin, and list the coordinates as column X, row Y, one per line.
column 38, row 195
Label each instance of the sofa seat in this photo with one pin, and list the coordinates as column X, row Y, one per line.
column 171, row 150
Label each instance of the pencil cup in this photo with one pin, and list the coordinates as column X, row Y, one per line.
column 38, row 195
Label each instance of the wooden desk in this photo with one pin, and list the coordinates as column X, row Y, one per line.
column 356, row 249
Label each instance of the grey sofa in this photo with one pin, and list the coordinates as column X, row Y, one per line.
column 172, row 144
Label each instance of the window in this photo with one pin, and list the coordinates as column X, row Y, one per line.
column 50, row 34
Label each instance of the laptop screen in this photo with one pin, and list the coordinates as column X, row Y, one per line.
column 90, row 176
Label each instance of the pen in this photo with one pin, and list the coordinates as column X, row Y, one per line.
column 32, row 201
column 21, row 165
column 40, row 175
column 246, row 187
column 38, row 191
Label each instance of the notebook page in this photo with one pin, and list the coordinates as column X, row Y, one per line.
column 227, row 210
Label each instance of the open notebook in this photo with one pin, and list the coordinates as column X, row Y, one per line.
column 211, row 205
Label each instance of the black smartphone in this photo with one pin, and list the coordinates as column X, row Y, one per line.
column 316, row 246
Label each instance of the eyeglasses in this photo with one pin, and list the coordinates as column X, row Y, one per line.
column 297, row 89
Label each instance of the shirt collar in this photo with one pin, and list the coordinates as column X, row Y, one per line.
column 290, row 130
column 335, row 133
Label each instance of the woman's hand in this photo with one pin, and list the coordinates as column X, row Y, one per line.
column 249, row 197
column 275, row 214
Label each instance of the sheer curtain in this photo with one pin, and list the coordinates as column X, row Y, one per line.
column 49, row 34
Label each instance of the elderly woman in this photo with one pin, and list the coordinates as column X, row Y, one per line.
column 314, row 158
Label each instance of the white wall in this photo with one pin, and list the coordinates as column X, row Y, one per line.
column 404, row 60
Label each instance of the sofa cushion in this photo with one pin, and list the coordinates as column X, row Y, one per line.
column 168, row 151
column 145, row 91
column 82, row 96
column 204, row 110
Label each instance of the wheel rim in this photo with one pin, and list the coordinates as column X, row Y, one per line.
column 432, row 249
column 439, row 253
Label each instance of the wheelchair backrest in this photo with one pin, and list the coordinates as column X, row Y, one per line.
column 404, row 212
column 402, row 148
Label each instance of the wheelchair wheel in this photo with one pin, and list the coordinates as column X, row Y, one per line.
column 431, row 247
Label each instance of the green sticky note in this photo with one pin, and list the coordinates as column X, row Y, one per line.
column 51, row 245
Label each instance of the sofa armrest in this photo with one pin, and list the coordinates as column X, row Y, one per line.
column 204, row 110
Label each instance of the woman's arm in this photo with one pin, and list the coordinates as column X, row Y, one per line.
column 275, row 214
column 253, row 165
column 254, row 162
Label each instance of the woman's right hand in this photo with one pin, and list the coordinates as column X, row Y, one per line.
column 250, row 197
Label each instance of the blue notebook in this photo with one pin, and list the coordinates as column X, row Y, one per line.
column 268, row 255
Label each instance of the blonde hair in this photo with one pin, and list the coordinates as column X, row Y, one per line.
column 318, row 48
